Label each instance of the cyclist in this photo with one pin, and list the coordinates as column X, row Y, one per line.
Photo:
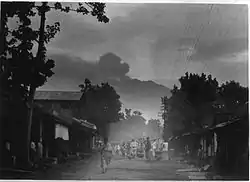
column 106, row 155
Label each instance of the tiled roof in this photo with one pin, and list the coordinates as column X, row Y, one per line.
column 57, row 95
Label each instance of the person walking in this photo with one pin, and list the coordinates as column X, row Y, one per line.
column 199, row 155
column 40, row 153
column 119, row 150
column 33, row 154
column 123, row 149
column 153, row 149
column 144, row 147
column 148, row 148
column 133, row 147
column 128, row 150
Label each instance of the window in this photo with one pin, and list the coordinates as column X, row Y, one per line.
column 62, row 132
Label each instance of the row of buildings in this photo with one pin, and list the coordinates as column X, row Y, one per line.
column 54, row 125
column 224, row 145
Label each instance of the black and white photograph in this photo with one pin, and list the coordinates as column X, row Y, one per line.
column 124, row 90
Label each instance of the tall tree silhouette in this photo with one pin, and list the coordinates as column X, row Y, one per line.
column 20, row 69
column 233, row 94
column 131, row 128
column 232, row 99
column 134, row 125
column 100, row 104
column 190, row 106
column 154, row 128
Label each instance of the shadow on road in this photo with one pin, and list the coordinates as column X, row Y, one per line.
column 141, row 169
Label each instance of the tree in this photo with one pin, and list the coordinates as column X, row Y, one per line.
column 135, row 125
column 232, row 101
column 164, row 108
column 20, row 67
column 122, row 116
column 137, row 113
column 134, row 116
column 128, row 113
column 154, row 128
column 199, row 88
column 178, row 114
column 131, row 128
column 164, row 115
column 100, row 104
column 190, row 106
column 233, row 95
column 26, row 75
column 233, row 104
column 201, row 92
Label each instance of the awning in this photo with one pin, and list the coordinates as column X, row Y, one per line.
column 66, row 121
column 186, row 134
column 54, row 115
column 221, row 125
column 85, row 123
column 205, row 129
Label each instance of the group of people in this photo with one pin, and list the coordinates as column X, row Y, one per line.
column 36, row 153
column 142, row 147
column 9, row 154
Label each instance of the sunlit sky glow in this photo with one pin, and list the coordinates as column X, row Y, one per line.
column 154, row 39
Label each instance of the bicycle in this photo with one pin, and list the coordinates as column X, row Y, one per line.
column 105, row 160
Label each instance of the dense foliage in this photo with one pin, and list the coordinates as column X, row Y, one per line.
column 197, row 102
column 100, row 104
column 22, row 71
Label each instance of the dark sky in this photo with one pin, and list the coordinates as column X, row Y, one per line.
column 148, row 46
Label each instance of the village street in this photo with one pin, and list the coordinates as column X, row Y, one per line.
column 119, row 169
column 137, row 169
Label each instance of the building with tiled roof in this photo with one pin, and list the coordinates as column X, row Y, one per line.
column 58, row 95
column 61, row 104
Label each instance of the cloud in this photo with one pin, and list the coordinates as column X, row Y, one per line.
column 220, row 49
column 121, row 9
column 76, row 35
column 70, row 71
column 108, row 67
column 111, row 66
column 154, row 40
column 236, row 70
column 73, row 68
column 148, row 36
